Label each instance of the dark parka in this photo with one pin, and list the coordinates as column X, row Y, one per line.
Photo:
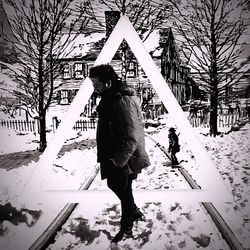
column 174, row 146
column 120, row 132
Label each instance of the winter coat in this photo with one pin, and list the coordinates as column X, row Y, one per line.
column 174, row 146
column 120, row 132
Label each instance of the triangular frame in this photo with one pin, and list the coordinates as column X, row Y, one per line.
column 213, row 187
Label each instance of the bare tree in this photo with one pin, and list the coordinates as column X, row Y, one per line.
column 212, row 32
column 146, row 16
column 44, row 31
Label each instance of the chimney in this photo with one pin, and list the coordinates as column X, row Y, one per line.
column 164, row 35
column 111, row 18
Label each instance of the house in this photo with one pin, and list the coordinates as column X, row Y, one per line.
column 241, row 89
column 7, row 52
column 176, row 73
column 161, row 46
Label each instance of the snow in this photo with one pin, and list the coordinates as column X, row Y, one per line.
column 168, row 225
column 16, row 142
column 81, row 46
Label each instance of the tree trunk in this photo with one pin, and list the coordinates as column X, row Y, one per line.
column 124, row 48
column 123, row 71
column 214, row 82
column 213, row 130
column 41, row 108
column 42, row 122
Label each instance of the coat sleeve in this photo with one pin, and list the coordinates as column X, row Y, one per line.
column 127, row 128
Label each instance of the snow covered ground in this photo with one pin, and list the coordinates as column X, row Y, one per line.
column 168, row 225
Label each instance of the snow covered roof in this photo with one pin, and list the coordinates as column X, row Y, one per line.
column 6, row 85
column 84, row 44
column 152, row 43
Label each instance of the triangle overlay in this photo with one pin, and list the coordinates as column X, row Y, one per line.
column 212, row 183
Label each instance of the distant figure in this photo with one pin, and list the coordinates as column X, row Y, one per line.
column 193, row 111
column 174, row 146
column 248, row 111
column 230, row 109
column 238, row 109
column 56, row 122
column 220, row 109
column 120, row 142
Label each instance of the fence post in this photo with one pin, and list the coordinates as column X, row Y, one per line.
column 37, row 124
column 33, row 126
column 92, row 122
column 55, row 123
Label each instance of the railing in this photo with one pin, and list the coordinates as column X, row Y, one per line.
column 223, row 120
column 198, row 120
column 85, row 124
column 19, row 125
column 31, row 126
column 82, row 124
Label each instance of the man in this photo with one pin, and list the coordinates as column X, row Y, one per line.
column 174, row 146
column 120, row 141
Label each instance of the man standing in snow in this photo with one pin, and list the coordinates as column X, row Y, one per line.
column 120, row 141
column 174, row 146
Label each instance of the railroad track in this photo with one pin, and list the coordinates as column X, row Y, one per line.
column 220, row 223
column 48, row 235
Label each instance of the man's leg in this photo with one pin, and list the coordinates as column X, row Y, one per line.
column 127, row 205
column 174, row 159
column 122, row 187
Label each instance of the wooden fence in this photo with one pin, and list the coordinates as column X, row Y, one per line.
column 84, row 125
column 19, row 125
column 23, row 125
column 199, row 120
column 223, row 120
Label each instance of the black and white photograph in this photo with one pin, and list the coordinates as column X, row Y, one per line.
column 124, row 124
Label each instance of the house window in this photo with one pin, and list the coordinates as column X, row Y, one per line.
column 64, row 97
column 79, row 70
column 131, row 72
column 66, row 71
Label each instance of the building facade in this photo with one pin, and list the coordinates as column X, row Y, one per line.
column 75, row 68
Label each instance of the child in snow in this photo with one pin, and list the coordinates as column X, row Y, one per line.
column 174, row 146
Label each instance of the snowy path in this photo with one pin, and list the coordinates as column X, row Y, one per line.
column 100, row 224
column 169, row 225
column 159, row 175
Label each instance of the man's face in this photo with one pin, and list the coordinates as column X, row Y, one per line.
column 98, row 85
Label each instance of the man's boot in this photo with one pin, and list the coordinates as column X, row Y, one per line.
column 138, row 215
column 123, row 234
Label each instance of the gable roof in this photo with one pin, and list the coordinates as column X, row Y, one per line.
column 83, row 45
column 4, row 24
column 88, row 46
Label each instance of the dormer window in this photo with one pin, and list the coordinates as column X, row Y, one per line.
column 79, row 70
column 132, row 69
column 66, row 71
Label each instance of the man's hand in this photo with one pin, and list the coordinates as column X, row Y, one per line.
column 112, row 160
